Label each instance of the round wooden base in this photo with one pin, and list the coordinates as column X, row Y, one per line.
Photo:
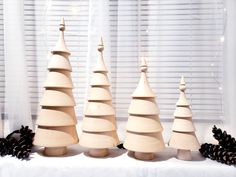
column 144, row 156
column 99, row 152
column 184, row 154
column 54, row 151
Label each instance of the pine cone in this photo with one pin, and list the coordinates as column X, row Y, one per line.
column 18, row 143
column 25, row 131
column 216, row 152
column 120, row 146
column 22, row 148
column 225, row 140
column 3, row 147
column 11, row 144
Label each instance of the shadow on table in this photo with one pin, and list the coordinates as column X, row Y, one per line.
column 169, row 153
column 112, row 153
column 70, row 152
column 196, row 156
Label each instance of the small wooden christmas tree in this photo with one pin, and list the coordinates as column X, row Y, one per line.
column 56, row 120
column 183, row 137
column 144, row 129
column 99, row 127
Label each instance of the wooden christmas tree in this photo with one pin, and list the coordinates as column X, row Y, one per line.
column 144, row 129
column 57, row 120
column 183, row 137
column 99, row 127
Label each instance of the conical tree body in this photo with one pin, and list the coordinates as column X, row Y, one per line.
column 61, row 45
column 59, row 62
column 99, row 94
column 56, row 116
column 143, row 89
column 143, row 126
column 146, row 123
column 99, row 127
column 58, row 79
column 100, row 66
column 57, row 120
column 183, row 131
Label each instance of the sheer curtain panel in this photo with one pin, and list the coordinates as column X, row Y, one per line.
column 16, row 92
column 177, row 38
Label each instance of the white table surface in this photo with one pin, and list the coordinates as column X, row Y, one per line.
column 119, row 164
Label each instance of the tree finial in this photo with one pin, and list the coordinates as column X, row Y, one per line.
column 143, row 65
column 62, row 24
column 182, row 86
column 101, row 46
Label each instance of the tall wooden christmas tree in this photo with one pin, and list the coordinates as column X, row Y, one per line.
column 99, row 127
column 57, row 120
column 183, row 137
column 144, row 129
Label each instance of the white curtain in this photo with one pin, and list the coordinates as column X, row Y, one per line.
column 177, row 37
column 98, row 27
column 17, row 102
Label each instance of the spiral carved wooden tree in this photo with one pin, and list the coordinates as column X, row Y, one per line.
column 144, row 129
column 99, row 126
column 57, row 120
column 183, row 135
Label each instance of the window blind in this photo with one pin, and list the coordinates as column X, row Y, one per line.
column 41, row 34
column 177, row 38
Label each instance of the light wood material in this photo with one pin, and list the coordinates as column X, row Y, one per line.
column 99, row 123
column 100, row 66
column 58, row 80
column 99, row 152
column 144, row 142
column 57, row 120
column 143, row 135
column 55, row 136
column 144, row 156
column 98, row 140
column 54, row 151
column 57, row 98
column 183, row 135
column 99, row 126
column 59, row 62
column 99, row 94
column 143, row 89
column 183, row 112
column 56, row 116
column 182, row 100
column 61, row 45
column 144, row 124
column 184, row 154
column 183, row 125
column 99, row 79
column 99, row 109
column 184, row 140
column 143, row 107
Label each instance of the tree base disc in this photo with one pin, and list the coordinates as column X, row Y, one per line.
column 54, row 151
column 98, row 152
column 144, row 156
column 184, row 154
